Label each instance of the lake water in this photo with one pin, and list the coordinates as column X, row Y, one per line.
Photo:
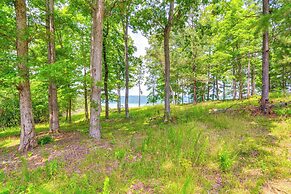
column 132, row 102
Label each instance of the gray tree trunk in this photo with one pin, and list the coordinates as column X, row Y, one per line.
column 265, row 63
column 208, row 82
column 27, row 136
column 106, row 72
column 118, row 100
column 249, row 76
column 224, row 95
column 253, row 80
column 70, row 110
column 125, row 30
column 96, row 69
column 240, row 79
column 234, row 83
column 167, row 31
column 86, row 94
column 52, row 91
column 217, row 88
column 139, row 92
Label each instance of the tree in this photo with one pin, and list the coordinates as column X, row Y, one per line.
column 167, row 30
column 27, row 137
column 53, row 99
column 265, row 62
column 96, row 68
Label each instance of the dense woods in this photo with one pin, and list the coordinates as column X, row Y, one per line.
column 59, row 57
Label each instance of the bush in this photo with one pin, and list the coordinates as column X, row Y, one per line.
column 45, row 140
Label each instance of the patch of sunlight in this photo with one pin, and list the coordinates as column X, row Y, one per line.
column 49, row 187
column 168, row 166
column 124, row 128
column 282, row 128
column 10, row 142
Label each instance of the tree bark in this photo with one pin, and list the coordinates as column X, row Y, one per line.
column 240, row 79
column 52, row 91
column 106, row 73
column 217, row 88
column 203, row 93
column 96, row 69
column 167, row 31
column 86, row 94
column 70, row 110
column 253, row 80
column 139, row 91
column 234, row 83
column 27, row 136
column 265, row 63
column 208, row 80
column 125, row 30
column 194, row 91
column 223, row 90
column 249, row 76
column 118, row 99
column 213, row 88
column 194, row 84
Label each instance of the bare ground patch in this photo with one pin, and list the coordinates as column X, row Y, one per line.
column 68, row 147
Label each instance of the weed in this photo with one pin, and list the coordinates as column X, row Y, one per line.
column 120, row 154
column 106, row 188
column 45, row 140
column 51, row 168
column 226, row 159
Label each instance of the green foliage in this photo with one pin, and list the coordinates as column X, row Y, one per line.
column 45, row 140
column 120, row 154
column 226, row 159
column 106, row 186
column 52, row 168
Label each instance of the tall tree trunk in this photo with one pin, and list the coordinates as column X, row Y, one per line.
column 223, row 90
column 67, row 113
column 153, row 95
column 27, row 136
column 86, row 93
column 167, row 31
column 217, row 88
column 194, row 85
column 213, row 88
column 194, row 91
column 53, row 98
column 96, row 69
column 234, row 83
column 182, row 93
column 139, row 91
column 265, row 63
column 208, row 81
column 203, row 93
column 106, row 73
column 70, row 110
column 249, row 76
column 118, row 99
column 253, row 80
column 125, row 30
column 241, row 84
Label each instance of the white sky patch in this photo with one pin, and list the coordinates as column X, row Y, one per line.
column 141, row 43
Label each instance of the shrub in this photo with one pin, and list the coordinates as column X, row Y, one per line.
column 44, row 140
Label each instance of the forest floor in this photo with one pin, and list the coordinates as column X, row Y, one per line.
column 211, row 147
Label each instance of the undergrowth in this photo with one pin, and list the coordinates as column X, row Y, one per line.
column 199, row 152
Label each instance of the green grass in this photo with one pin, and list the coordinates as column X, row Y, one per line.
column 198, row 152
